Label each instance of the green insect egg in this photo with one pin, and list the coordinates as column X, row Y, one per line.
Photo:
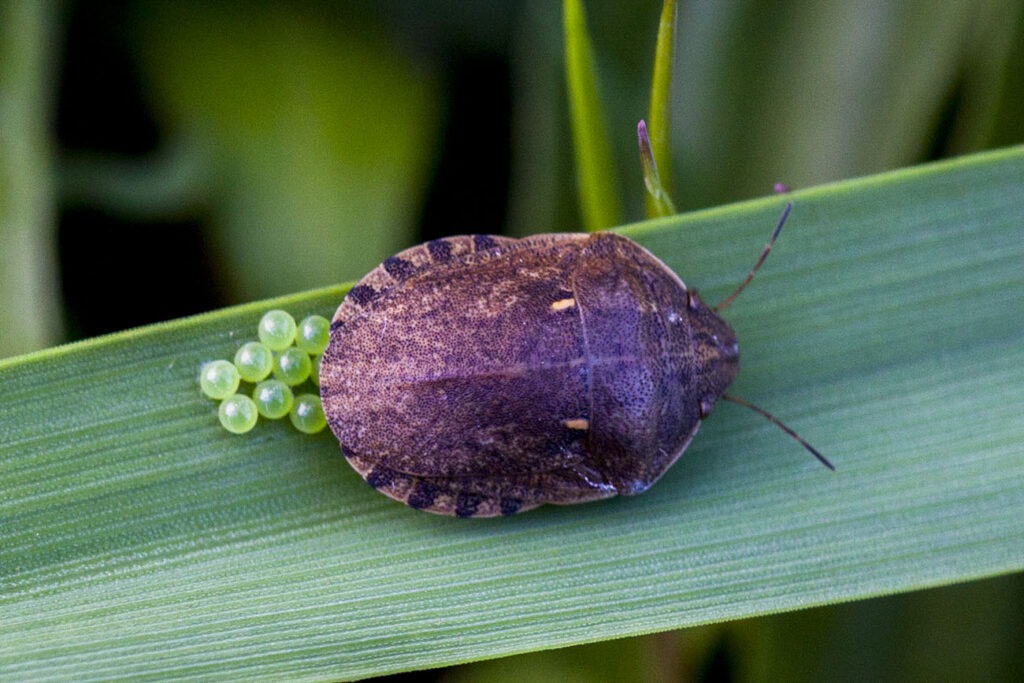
column 277, row 330
column 292, row 366
column 307, row 414
column 237, row 414
column 219, row 379
column 273, row 398
column 314, row 373
column 254, row 361
column 313, row 334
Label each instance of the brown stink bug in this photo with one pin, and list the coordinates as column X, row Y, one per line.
column 482, row 376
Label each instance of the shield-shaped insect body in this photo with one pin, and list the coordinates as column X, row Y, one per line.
column 482, row 375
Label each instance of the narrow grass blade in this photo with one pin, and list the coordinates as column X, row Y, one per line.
column 596, row 181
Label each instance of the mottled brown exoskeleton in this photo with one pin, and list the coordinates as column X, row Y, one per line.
column 482, row 375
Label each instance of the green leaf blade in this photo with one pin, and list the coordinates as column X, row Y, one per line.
column 137, row 538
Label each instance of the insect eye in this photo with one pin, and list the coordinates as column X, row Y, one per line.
column 705, row 408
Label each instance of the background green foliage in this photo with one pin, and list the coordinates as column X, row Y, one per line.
column 159, row 159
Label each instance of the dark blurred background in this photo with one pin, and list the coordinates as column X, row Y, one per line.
column 161, row 159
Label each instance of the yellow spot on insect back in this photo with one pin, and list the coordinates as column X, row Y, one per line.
column 577, row 423
column 562, row 304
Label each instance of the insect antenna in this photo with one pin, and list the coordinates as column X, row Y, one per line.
column 764, row 254
column 778, row 423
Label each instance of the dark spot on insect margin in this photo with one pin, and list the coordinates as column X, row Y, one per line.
column 346, row 452
column 337, row 325
column 510, row 506
column 380, row 477
column 422, row 496
column 362, row 294
column 399, row 268
column 466, row 504
column 439, row 250
column 483, row 242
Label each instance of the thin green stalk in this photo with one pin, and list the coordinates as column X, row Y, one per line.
column 659, row 120
column 595, row 171
column 30, row 308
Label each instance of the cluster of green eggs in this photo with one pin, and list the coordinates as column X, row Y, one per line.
column 286, row 355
